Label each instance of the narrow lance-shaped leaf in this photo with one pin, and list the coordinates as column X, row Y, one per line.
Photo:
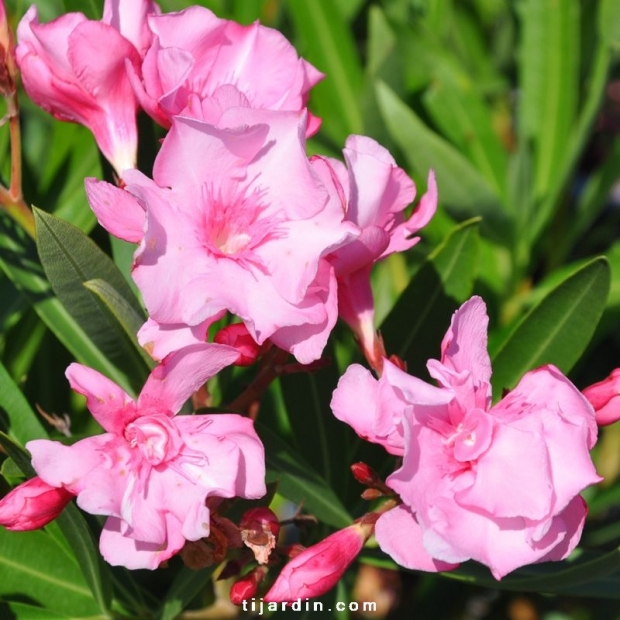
column 326, row 41
column 23, row 422
column 70, row 258
column 122, row 311
column 461, row 186
column 19, row 261
column 558, row 329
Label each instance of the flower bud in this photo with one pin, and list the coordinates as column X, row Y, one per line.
column 246, row 587
column 319, row 568
column 32, row 505
column 604, row 396
column 237, row 335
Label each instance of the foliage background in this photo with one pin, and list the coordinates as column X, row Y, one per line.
column 516, row 106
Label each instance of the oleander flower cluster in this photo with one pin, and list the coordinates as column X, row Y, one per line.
column 238, row 223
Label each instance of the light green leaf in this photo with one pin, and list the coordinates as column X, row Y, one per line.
column 461, row 113
column 557, row 330
column 461, row 186
column 549, row 73
column 33, row 566
column 30, row 612
column 415, row 326
column 326, row 41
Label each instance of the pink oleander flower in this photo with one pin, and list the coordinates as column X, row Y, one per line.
column 604, row 396
column 497, row 484
column 194, row 53
column 151, row 472
column 374, row 192
column 75, row 69
column 317, row 569
column 31, row 505
column 235, row 220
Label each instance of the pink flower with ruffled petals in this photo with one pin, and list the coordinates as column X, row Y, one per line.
column 75, row 69
column 498, row 484
column 235, row 220
column 194, row 53
column 32, row 504
column 374, row 192
column 151, row 472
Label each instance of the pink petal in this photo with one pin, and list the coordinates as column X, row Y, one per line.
column 180, row 374
column 400, row 536
column 120, row 549
column 117, row 210
column 111, row 406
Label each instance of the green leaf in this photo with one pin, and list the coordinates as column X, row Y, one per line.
column 19, row 261
column 75, row 529
column 21, row 611
column 186, row 585
column 549, row 72
column 461, row 186
column 327, row 42
column 298, row 482
column 20, row 456
column 415, row 326
column 23, row 422
column 122, row 311
column 91, row 8
column 70, row 258
column 34, row 567
column 558, row 329
column 461, row 113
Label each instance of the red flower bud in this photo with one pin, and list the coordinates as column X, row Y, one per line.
column 237, row 336
column 246, row 587
column 604, row 396
column 32, row 505
column 319, row 568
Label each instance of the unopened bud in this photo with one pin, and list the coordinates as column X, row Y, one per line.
column 31, row 505
column 246, row 587
column 237, row 336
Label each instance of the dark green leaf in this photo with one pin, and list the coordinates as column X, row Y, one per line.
column 186, row 585
column 415, row 326
column 19, row 261
column 70, row 258
column 298, row 482
column 23, row 422
column 123, row 312
column 558, row 329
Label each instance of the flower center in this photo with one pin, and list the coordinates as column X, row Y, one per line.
column 235, row 224
column 155, row 437
column 472, row 437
